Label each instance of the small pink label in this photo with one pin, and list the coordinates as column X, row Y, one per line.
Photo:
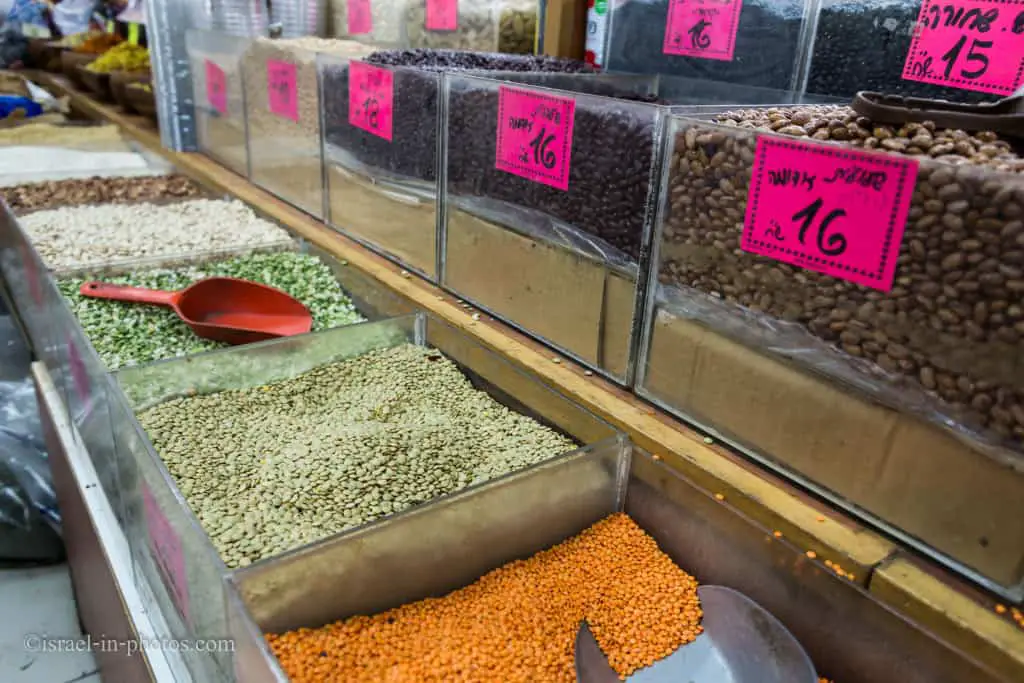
column 167, row 551
column 702, row 28
column 969, row 44
column 79, row 376
column 535, row 136
column 282, row 89
column 216, row 87
column 442, row 15
column 360, row 19
column 371, row 98
column 828, row 209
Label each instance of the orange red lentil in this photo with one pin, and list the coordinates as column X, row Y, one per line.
column 518, row 623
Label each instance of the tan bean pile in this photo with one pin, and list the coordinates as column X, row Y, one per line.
column 953, row 323
column 518, row 623
column 31, row 197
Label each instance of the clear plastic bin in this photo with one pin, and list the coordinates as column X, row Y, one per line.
column 557, row 257
column 753, row 42
column 382, row 184
column 508, row 26
column 910, row 391
column 371, row 22
column 863, row 45
column 367, row 572
column 283, row 118
column 215, row 60
column 262, row 363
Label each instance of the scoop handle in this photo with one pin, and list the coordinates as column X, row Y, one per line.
column 138, row 295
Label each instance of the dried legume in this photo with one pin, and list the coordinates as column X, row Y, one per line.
column 272, row 468
column 944, row 342
column 130, row 334
column 24, row 199
column 517, row 623
column 90, row 235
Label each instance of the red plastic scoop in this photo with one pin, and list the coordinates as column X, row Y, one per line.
column 224, row 309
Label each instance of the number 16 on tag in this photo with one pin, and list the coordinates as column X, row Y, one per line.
column 828, row 209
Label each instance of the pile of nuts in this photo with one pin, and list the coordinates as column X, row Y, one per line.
column 130, row 334
column 953, row 323
column 517, row 623
column 271, row 468
column 89, row 235
column 23, row 199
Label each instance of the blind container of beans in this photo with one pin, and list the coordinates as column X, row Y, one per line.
column 217, row 92
column 283, row 116
column 887, row 260
column 381, row 155
column 548, row 202
column 508, row 26
column 750, row 42
column 871, row 45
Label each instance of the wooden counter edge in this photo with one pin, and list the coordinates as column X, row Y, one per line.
column 761, row 496
column 953, row 615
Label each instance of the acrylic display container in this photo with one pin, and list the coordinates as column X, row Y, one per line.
column 215, row 60
column 914, row 393
column 156, row 509
column 864, row 45
column 381, row 24
column 753, row 42
column 558, row 258
column 299, row 18
column 508, row 26
column 283, row 121
column 382, row 183
column 456, row 540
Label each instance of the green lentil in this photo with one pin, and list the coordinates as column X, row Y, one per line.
column 129, row 334
column 272, row 468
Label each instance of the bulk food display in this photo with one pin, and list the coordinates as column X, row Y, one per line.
column 217, row 92
column 753, row 42
column 382, row 181
column 131, row 334
column 507, row 26
column 375, row 23
column 943, row 343
column 283, row 116
column 551, row 190
column 249, row 439
column 24, row 199
column 75, row 237
column 865, row 44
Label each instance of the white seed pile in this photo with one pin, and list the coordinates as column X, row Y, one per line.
column 90, row 235
column 276, row 467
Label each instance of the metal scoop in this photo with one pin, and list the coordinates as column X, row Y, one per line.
column 742, row 643
column 1005, row 116
column 223, row 309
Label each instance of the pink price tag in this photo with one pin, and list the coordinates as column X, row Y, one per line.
column 216, row 87
column 442, row 15
column 167, row 551
column 535, row 136
column 371, row 92
column 360, row 19
column 969, row 44
column 702, row 28
column 282, row 90
column 829, row 209
column 78, row 374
